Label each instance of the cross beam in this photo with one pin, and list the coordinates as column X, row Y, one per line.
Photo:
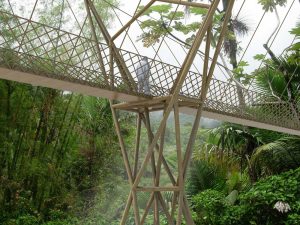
column 155, row 155
column 186, row 3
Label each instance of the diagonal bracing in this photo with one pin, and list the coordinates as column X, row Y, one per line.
column 169, row 104
column 48, row 56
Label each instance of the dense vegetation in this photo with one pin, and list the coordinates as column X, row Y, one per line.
column 60, row 161
column 57, row 151
column 242, row 175
column 259, row 205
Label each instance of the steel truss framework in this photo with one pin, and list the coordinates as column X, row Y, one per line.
column 168, row 103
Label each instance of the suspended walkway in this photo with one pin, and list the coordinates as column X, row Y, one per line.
column 38, row 54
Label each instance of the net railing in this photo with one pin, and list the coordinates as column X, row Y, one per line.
column 36, row 48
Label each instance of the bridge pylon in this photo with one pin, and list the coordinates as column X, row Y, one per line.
column 171, row 103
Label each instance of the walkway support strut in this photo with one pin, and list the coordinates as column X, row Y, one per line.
column 154, row 156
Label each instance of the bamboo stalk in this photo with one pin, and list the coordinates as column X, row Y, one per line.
column 119, row 59
column 165, row 164
column 165, row 209
column 100, row 58
column 148, row 205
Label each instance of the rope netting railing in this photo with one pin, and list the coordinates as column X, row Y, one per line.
column 46, row 51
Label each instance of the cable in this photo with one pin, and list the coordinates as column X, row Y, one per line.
column 59, row 27
column 240, row 9
column 137, row 7
column 31, row 15
column 252, row 37
column 278, row 30
column 138, row 22
column 230, row 75
column 171, row 20
column 177, row 39
column 277, row 26
column 126, row 33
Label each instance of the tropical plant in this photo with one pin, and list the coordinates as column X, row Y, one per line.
column 235, row 141
column 204, row 175
column 274, row 200
column 276, row 157
column 270, row 5
column 56, row 148
column 296, row 46
column 208, row 206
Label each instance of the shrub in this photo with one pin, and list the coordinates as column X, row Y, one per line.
column 208, row 205
column 23, row 220
column 205, row 175
column 255, row 206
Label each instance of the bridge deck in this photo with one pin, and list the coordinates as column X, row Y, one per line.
column 37, row 54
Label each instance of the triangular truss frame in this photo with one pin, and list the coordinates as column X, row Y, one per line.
column 167, row 104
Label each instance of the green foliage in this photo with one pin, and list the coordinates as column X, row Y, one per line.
column 255, row 206
column 259, row 57
column 160, row 9
column 208, row 205
column 239, row 73
column 296, row 46
column 56, row 148
column 155, row 29
column 56, row 157
column 269, row 5
column 186, row 28
column 198, row 11
column 23, row 220
column 204, row 175
column 279, row 78
column 276, row 157
column 236, row 141
column 296, row 30
column 154, row 32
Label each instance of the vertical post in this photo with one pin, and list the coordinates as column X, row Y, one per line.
column 179, row 163
column 128, row 169
column 137, row 144
column 154, row 172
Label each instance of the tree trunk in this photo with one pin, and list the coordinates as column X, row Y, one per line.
column 233, row 62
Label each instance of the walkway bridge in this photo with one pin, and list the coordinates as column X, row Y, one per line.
column 38, row 54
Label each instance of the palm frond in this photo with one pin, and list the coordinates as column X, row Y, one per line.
column 204, row 175
column 240, row 26
column 277, row 156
